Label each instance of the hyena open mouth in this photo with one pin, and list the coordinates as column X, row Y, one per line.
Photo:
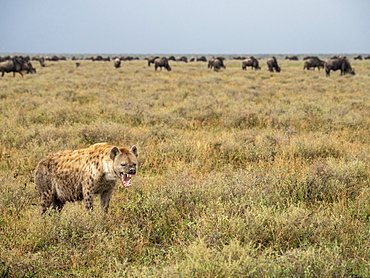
column 126, row 179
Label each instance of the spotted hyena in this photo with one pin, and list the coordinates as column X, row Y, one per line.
column 69, row 176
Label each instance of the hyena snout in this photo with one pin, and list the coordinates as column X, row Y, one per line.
column 132, row 170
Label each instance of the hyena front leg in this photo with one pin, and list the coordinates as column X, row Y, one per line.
column 88, row 196
column 105, row 199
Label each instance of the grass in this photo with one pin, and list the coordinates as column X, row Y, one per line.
column 242, row 174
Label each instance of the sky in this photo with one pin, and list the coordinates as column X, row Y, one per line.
column 185, row 27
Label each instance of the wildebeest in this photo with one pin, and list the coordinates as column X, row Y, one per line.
column 52, row 58
column 250, row 62
column 17, row 64
column 151, row 59
column 309, row 57
column 182, row 59
column 240, row 58
column 336, row 57
column 117, row 62
column 2, row 59
column 212, row 60
column 28, row 68
column 313, row 62
column 127, row 58
column 293, row 58
column 40, row 59
column 97, row 58
column 358, row 57
column 201, row 59
column 341, row 64
column 216, row 63
column 273, row 64
column 161, row 62
column 367, row 57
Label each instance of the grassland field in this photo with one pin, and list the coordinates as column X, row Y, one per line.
column 242, row 173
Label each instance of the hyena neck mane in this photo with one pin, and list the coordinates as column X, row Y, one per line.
column 108, row 170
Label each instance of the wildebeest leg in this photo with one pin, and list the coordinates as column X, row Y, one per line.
column 18, row 72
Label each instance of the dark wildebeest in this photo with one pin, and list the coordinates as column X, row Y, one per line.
column 117, row 63
column 250, row 62
column 16, row 65
column 52, row 58
column 162, row 62
column 201, row 59
column 367, row 57
column 273, row 64
column 171, row 58
column 239, row 58
column 97, row 58
column 210, row 62
column 128, row 58
column 182, row 59
column 293, row 58
column 28, row 68
column 336, row 57
column 341, row 64
column 313, row 62
column 212, row 59
column 358, row 57
column 216, row 63
column 310, row 57
column 151, row 60
column 42, row 61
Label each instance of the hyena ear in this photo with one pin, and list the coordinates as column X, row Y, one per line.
column 134, row 150
column 113, row 152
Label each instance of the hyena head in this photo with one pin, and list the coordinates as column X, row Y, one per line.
column 124, row 163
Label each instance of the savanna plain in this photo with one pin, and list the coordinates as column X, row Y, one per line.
column 242, row 173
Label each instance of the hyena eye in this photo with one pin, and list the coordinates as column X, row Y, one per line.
column 123, row 165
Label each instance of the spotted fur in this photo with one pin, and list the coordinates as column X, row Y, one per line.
column 69, row 176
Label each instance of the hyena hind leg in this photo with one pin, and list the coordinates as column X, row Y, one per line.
column 47, row 200
column 57, row 204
